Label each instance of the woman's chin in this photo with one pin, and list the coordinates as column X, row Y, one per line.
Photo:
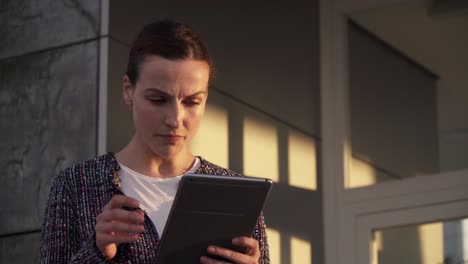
column 167, row 152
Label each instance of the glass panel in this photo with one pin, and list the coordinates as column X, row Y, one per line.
column 433, row 243
column 407, row 66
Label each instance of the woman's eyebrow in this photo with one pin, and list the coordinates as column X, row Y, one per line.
column 156, row 90
column 197, row 93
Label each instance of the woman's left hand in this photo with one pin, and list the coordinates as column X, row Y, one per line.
column 251, row 255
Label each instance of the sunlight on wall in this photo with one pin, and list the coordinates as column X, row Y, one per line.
column 211, row 141
column 347, row 152
column 302, row 161
column 274, row 241
column 301, row 251
column 431, row 239
column 260, row 149
column 361, row 174
column 377, row 246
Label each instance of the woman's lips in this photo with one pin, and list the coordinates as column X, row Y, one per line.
column 171, row 138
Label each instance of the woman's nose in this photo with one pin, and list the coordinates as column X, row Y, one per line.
column 174, row 116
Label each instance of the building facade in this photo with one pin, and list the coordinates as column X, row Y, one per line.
column 357, row 111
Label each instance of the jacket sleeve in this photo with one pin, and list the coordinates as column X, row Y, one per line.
column 261, row 236
column 61, row 240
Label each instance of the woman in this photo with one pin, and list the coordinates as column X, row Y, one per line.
column 166, row 88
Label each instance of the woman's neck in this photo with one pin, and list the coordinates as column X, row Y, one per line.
column 146, row 162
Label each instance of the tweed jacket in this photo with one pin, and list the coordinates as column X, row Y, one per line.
column 78, row 195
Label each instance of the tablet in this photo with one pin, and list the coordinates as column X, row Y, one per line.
column 210, row 210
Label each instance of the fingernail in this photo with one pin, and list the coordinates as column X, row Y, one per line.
column 235, row 240
column 211, row 249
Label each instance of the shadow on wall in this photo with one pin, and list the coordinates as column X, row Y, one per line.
column 254, row 144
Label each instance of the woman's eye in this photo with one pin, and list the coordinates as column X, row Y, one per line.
column 157, row 100
column 191, row 103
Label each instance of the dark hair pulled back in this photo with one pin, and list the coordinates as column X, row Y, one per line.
column 168, row 39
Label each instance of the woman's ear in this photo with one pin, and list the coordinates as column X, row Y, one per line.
column 127, row 91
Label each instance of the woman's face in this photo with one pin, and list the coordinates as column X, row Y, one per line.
column 168, row 102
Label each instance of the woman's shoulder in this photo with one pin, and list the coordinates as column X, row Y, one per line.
column 101, row 165
column 207, row 167
column 103, row 162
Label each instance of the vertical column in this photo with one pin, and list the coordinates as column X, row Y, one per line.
column 48, row 87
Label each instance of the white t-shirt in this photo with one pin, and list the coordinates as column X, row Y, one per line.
column 156, row 195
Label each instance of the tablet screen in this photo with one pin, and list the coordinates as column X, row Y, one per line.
column 210, row 210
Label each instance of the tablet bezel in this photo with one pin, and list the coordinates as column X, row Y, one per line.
column 199, row 186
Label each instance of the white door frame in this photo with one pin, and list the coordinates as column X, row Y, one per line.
column 350, row 215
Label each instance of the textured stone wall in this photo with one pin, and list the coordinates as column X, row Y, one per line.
column 29, row 26
column 48, row 109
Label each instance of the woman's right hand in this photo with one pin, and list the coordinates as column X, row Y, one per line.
column 115, row 225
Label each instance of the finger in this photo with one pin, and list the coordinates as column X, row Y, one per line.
column 119, row 201
column 208, row 260
column 231, row 255
column 122, row 215
column 249, row 243
column 114, row 226
column 245, row 242
column 120, row 239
